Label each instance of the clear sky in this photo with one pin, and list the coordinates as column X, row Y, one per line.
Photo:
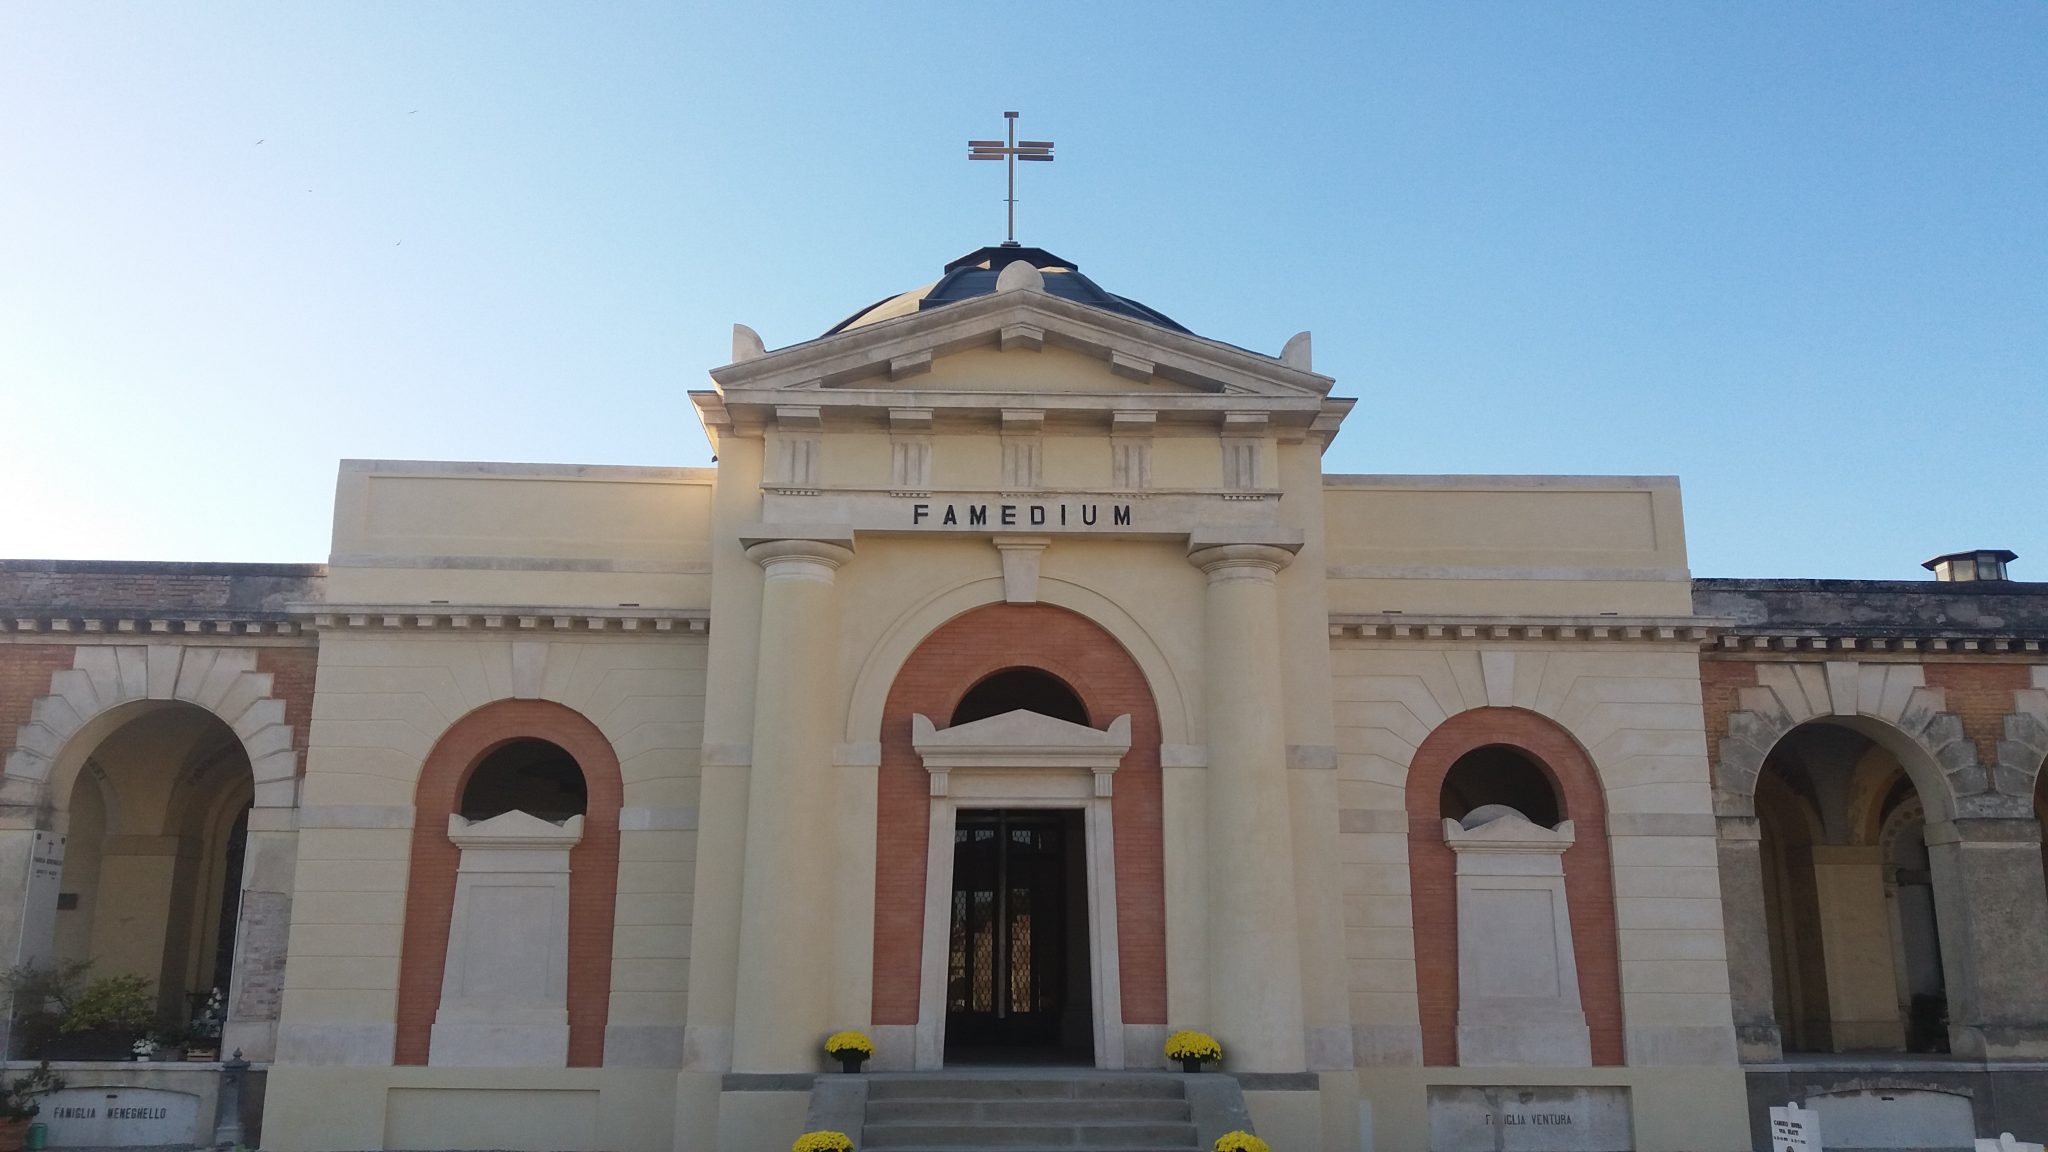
column 1796, row 254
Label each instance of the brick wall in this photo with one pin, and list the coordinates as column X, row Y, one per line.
column 949, row 662
column 291, row 671
column 25, row 671
column 113, row 585
column 593, row 876
column 1588, row 875
column 1981, row 694
column 1720, row 682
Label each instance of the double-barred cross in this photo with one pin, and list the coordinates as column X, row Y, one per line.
column 1012, row 151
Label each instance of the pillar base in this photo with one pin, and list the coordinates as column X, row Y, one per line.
column 1985, row 1042
column 1759, row 1043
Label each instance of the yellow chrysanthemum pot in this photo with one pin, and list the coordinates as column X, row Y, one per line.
column 1193, row 1049
column 850, row 1049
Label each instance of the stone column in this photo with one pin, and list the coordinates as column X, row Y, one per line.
column 1255, row 998
column 1745, row 923
column 1992, row 908
column 785, row 950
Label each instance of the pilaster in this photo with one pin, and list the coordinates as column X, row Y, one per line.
column 1993, row 912
column 1746, row 924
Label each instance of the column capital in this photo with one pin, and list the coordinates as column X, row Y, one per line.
column 1241, row 561
column 815, row 559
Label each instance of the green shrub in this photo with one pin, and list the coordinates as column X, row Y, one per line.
column 114, row 1004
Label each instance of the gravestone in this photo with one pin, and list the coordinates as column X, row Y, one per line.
column 1530, row 1119
column 114, row 1117
column 1895, row 1118
column 504, row 986
column 1518, row 977
column 1794, row 1129
column 2005, row 1143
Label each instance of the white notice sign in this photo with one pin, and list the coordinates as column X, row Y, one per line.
column 1794, row 1129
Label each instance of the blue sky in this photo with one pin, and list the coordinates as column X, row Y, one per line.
column 1796, row 254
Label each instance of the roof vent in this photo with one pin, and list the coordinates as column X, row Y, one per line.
column 1981, row 564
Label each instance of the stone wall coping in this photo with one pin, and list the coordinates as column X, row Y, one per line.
column 1483, row 482
column 160, row 568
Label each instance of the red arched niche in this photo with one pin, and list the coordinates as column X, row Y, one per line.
column 593, row 870
column 949, row 662
column 1588, row 874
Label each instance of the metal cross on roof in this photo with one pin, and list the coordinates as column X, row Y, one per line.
column 1012, row 151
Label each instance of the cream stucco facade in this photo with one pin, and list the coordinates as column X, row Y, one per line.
column 1279, row 673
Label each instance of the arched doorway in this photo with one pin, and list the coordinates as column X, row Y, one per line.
column 1019, row 892
column 1848, row 897
column 155, row 820
column 1017, row 955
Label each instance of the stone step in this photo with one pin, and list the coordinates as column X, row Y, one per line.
column 1026, row 1088
column 1044, row 1134
column 1048, row 1110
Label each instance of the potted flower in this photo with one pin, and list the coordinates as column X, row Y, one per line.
column 823, row 1142
column 1192, row 1050
column 1240, row 1142
column 171, row 1043
column 850, row 1049
column 19, row 1105
column 144, row 1049
column 206, row 1026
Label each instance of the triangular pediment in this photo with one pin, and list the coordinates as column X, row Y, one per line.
column 1021, row 739
column 1130, row 355
column 515, row 829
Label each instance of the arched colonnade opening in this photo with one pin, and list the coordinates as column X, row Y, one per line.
column 155, row 822
column 1849, row 897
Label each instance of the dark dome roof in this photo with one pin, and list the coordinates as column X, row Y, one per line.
column 975, row 275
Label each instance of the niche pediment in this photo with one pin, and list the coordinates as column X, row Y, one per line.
column 515, row 829
column 1020, row 740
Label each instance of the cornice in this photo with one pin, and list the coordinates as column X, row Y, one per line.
column 495, row 618
column 1495, row 629
column 1890, row 642
column 67, row 623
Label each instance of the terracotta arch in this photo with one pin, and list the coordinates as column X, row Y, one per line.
column 593, row 869
column 1588, row 874
column 931, row 681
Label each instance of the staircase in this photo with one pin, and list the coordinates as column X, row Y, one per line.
column 1026, row 1112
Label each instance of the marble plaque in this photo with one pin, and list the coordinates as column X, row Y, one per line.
column 115, row 1117
column 1529, row 1119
